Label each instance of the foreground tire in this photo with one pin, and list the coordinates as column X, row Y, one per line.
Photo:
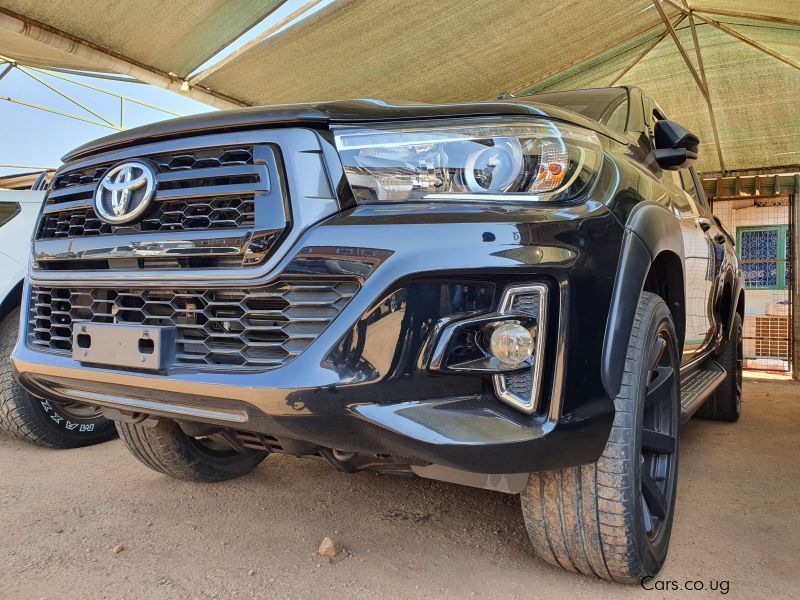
column 725, row 404
column 167, row 449
column 43, row 422
column 613, row 518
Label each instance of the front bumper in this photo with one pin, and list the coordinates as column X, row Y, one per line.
column 385, row 400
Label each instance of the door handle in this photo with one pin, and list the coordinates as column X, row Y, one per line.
column 705, row 224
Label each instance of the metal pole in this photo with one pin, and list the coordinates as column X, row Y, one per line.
column 58, row 112
column 105, row 61
column 794, row 219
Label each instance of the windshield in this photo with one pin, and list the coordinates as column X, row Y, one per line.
column 609, row 106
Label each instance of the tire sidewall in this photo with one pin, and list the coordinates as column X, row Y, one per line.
column 653, row 554
column 43, row 421
column 52, row 417
column 733, row 348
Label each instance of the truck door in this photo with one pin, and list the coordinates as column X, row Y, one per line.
column 699, row 268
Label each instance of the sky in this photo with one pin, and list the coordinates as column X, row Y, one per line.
column 30, row 137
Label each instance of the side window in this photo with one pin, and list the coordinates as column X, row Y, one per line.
column 688, row 183
column 8, row 210
column 618, row 119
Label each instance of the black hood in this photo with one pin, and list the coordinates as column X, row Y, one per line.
column 323, row 115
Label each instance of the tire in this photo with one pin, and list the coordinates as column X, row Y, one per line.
column 43, row 422
column 613, row 518
column 725, row 404
column 167, row 449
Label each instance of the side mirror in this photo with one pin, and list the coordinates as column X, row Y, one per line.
column 676, row 147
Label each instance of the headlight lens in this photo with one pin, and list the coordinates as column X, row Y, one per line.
column 531, row 160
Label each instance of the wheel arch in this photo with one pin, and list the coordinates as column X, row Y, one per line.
column 652, row 259
column 740, row 304
column 11, row 300
column 665, row 279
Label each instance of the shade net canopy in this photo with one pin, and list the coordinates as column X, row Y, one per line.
column 457, row 50
column 172, row 36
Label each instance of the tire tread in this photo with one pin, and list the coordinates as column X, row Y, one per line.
column 596, row 536
column 166, row 449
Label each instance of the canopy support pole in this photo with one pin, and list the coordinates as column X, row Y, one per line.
column 749, row 42
column 646, row 51
column 58, row 112
column 545, row 81
column 256, row 40
column 735, row 34
column 746, row 15
column 11, row 64
column 681, row 49
column 105, row 60
column 795, row 221
column 699, row 78
column 699, row 54
column 63, row 94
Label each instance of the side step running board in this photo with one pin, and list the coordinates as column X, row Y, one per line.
column 699, row 385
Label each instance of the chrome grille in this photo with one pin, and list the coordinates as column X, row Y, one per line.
column 264, row 327
column 204, row 158
column 197, row 214
column 207, row 188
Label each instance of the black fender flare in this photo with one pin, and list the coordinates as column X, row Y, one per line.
column 651, row 229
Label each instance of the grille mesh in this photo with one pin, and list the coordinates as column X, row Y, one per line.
column 521, row 384
column 198, row 213
column 263, row 327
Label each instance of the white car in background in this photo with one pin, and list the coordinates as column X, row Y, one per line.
column 43, row 422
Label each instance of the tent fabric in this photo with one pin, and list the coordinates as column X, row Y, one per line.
column 754, row 96
column 173, row 37
column 450, row 50
column 458, row 50
column 473, row 50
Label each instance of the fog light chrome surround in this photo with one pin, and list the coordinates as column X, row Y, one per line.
column 530, row 299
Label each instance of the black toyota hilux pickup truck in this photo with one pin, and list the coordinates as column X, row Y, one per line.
column 527, row 295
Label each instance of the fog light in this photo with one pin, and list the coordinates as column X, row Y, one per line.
column 511, row 344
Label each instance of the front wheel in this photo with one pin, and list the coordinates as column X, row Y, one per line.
column 613, row 518
column 167, row 449
column 43, row 422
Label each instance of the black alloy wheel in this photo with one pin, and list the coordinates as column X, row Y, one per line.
column 660, row 424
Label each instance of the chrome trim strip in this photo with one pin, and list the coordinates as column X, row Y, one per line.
column 67, row 206
column 150, row 407
column 209, row 172
column 72, row 190
column 561, row 355
column 526, row 405
column 160, row 244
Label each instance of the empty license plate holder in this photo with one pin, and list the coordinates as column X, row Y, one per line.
column 124, row 345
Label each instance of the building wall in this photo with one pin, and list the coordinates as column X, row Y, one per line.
column 763, row 337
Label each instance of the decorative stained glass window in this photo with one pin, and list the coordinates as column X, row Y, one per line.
column 762, row 254
column 787, row 276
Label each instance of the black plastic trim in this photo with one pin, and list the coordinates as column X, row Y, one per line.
column 650, row 230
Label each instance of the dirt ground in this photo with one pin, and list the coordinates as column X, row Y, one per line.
column 62, row 513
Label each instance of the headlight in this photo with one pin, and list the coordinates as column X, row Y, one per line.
column 490, row 160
